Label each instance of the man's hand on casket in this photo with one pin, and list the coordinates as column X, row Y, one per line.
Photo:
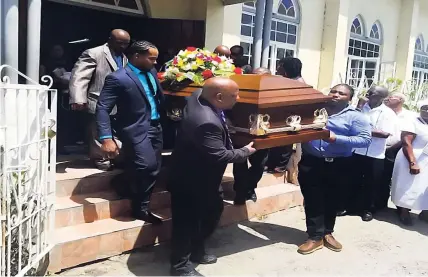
column 250, row 147
column 109, row 148
column 332, row 138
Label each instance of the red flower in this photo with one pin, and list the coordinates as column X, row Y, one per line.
column 207, row 74
column 191, row 48
column 175, row 61
column 160, row 75
column 238, row 70
column 217, row 59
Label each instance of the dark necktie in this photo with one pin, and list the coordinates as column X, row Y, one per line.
column 229, row 140
column 149, row 82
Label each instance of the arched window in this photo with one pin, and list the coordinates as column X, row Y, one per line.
column 357, row 26
column 420, row 63
column 363, row 53
column 375, row 32
column 284, row 30
column 286, row 7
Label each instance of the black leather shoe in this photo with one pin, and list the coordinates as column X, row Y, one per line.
column 193, row 272
column 147, row 216
column 204, row 259
column 366, row 216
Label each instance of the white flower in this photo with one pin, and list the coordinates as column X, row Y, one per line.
column 191, row 56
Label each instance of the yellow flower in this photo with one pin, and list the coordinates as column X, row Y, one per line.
column 199, row 62
column 180, row 63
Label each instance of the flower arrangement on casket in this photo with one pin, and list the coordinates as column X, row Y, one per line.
column 196, row 65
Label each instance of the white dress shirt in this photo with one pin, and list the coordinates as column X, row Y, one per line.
column 383, row 119
column 403, row 118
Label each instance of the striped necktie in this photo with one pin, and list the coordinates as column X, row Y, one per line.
column 229, row 140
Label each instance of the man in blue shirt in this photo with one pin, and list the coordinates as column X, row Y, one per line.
column 136, row 92
column 325, row 167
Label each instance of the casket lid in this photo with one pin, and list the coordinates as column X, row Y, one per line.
column 270, row 91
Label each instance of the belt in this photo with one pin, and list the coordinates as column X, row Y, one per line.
column 154, row 122
column 323, row 159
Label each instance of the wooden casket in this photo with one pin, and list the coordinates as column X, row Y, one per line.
column 272, row 111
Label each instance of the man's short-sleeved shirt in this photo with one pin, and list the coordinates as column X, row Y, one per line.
column 383, row 119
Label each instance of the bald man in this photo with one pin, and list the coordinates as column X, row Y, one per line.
column 262, row 71
column 222, row 50
column 87, row 81
column 202, row 152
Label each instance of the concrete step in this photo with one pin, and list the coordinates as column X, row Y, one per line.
column 104, row 238
column 77, row 180
column 86, row 208
column 75, row 174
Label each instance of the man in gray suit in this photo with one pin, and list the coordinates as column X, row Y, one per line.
column 87, row 81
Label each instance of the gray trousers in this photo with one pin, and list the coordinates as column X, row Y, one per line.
column 95, row 153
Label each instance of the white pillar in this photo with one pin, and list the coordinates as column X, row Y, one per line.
column 407, row 35
column 258, row 31
column 335, row 41
column 266, row 32
column 10, row 36
column 33, row 38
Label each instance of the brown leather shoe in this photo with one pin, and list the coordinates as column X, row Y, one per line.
column 331, row 243
column 310, row 246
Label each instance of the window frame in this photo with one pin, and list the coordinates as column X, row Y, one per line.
column 274, row 45
column 363, row 38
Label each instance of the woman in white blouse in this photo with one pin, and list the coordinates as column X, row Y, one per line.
column 410, row 177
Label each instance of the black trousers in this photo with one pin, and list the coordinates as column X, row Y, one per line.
column 367, row 181
column 384, row 191
column 144, row 163
column 246, row 178
column 319, row 181
column 279, row 156
column 194, row 218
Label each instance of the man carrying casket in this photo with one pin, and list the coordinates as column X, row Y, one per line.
column 325, row 166
column 202, row 152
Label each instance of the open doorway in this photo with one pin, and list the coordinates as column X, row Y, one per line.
column 78, row 28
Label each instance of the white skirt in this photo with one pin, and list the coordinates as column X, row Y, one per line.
column 410, row 191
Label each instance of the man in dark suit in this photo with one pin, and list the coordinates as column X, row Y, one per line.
column 136, row 92
column 202, row 152
column 247, row 178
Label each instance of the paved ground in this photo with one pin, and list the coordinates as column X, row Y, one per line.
column 267, row 247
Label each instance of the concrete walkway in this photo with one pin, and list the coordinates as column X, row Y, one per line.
column 267, row 247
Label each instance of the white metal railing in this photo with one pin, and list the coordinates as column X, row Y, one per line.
column 27, row 173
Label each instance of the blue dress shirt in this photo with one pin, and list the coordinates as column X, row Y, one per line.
column 150, row 95
column 118, row 60
column 352, row 130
